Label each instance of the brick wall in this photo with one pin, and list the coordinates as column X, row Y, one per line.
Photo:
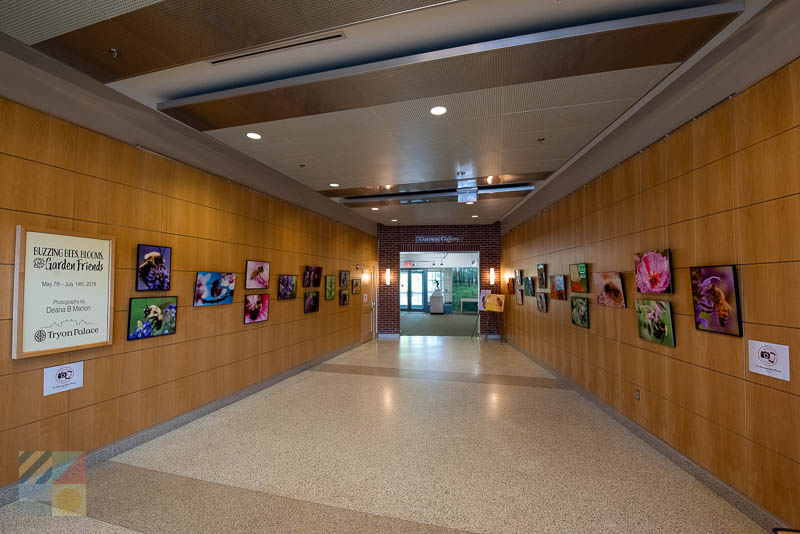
column 395, row 239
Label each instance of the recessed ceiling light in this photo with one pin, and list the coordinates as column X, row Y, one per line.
column 438, row 110
column 334, row 185
column 474, row 216
column 375, row 209
column 470, row 203
column 254, row 135
column 394, row 220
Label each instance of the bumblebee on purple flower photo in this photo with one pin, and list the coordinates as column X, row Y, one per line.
column 153, row 267
column 716, row 299
column 655, row 321
column 151, row 317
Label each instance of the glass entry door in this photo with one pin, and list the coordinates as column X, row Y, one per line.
column 417, row 290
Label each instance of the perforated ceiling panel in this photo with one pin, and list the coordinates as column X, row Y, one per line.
column 31, row 21
column 486, row 132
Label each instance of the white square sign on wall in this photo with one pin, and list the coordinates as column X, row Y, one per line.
column 768, row 359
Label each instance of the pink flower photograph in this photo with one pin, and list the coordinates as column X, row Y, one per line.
column 653, row 274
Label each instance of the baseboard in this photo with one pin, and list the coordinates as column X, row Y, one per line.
column 759, row 515
column 10, row 493
column 388, row 336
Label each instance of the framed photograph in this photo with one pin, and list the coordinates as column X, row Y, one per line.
column 609, row 289
column 312, row 276
column 344, row 297
column 256, row 275
column 311, row 302
column 510, row 285
column 256, row 308
column 154, row 266
column 495, row 302
column 541, row 276
column 715, row 295
column 527, row 283
column 356, row 286
column 541, row 302
column 578, row 278
column 211, row 289
column 518, row 277
column 330, row 287
column 344, row 278
column 558, row 287
column 518, row 296
column 655, row 322
column 287, row 286
column 580, row 311
column 653, row 271
column 152, row 317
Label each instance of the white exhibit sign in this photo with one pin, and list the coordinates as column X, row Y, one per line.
column 62, row 378
column 768, row 359
column 63, row 292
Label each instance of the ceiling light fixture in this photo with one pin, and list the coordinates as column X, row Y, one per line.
column 388, row 187
column 474, row 216
column 375, row 209
column 470, row 203
column 438, row 110
column 394, row 220
column 334, row 185
column 254, row 135
column 489, row 179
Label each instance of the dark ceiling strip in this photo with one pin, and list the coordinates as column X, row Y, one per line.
column 427, row 199
column 177, row 32
column 595, row 48
column 440, row 192
column 428, row 186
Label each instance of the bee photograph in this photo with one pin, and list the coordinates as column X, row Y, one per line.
column 609, row 289
column 153, row 267
column 716, row 299
column 256, row 275
column 151, row 317
column 655, row 322
column 212, row 289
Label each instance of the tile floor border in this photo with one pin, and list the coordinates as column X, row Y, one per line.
column 732, row 496
column 10, row 493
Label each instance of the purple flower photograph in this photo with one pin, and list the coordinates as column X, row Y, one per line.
column 153, row 271
column 344, row 297
column 287, row 286
column 256, row 308
column 653, row 273
column 716, row 299
column 256, row 275
column 312, row 276
column 311, row 302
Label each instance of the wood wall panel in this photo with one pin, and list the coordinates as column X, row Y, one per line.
column 57, row 175
column 722, row 189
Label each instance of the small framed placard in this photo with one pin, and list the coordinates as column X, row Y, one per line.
column 63, row 292
column 62, row 378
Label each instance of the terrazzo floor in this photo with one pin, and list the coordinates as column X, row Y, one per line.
column 420, row 434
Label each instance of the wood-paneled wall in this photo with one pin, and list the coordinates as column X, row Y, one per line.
column 60, row 176
column 722, row 189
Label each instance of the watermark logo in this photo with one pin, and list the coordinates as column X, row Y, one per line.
column 52, row 483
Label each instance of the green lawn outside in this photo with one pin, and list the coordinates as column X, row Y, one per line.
column 465, row 291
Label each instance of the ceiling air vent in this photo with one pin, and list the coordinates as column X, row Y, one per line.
column 282, row 45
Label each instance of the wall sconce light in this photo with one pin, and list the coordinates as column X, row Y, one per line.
column 491, row 276
column 388, row 276
column 365, row 275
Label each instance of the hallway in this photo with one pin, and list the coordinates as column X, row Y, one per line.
column 421, row 434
